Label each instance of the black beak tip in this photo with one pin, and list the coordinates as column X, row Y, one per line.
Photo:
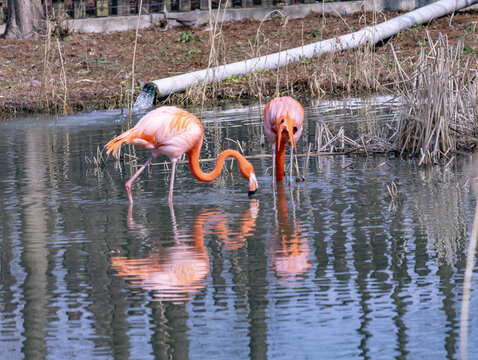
column 251, row 193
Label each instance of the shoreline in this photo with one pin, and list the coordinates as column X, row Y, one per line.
column 84, row 71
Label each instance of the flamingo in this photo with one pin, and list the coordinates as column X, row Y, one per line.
column 283, row 119
column 174, row 273
column 171, row 131
column 288, row 244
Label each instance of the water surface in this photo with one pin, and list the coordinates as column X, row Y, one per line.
column 328, row 268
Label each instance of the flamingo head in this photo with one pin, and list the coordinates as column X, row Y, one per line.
column 247, row 171
column 253, row 185
column 286, row 126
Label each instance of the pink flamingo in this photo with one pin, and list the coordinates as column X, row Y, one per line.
column 283, row 119
column 172, row 131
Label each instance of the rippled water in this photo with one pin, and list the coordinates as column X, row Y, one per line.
column 330, row 268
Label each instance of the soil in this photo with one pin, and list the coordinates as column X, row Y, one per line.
column 84, row 71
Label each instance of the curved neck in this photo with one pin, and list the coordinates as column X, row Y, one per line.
column 196, row 170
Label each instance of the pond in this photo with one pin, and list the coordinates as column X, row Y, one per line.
column 333, row 267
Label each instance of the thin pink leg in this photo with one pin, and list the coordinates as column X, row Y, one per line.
column 171, row 183
column 136, row 174
column 273, row 166
column 291, row 163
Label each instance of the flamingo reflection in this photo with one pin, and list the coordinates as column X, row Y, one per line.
column 176, row 272
column 289, row 248
column 236, row 240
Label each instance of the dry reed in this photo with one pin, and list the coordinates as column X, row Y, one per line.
column 131, row 95
column 46, row 73
column 49, row 94
column 440, row 104
column 63, row 80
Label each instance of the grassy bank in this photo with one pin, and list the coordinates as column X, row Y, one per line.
column 93, row 71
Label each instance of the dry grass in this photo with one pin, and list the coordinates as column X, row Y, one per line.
column 358, row 71
column 54, row 96
column 98, row 66
column 129, row 96
column 46, row 69
column 63, row 80
column 440, row 107
column 440, row 104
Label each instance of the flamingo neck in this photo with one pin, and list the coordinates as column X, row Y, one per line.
column 280, row 161
column 197, row 172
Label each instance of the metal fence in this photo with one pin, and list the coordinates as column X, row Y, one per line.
column 78, row 9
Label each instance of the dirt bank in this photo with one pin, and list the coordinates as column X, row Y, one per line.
column 93, row 71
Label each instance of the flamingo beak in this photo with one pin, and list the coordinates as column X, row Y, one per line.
column 288, row 126
column 253, row 185
column 291, row 135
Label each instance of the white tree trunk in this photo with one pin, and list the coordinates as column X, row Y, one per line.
column 371, row 35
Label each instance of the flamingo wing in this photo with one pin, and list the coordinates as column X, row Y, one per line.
column 173, row 130
column 270, row 114
column 296, row 112
column 166, row 130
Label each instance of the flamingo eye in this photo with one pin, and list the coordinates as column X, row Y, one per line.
column 295, row 129
column 282, row 121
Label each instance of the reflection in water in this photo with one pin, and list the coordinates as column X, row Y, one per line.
column 444, row 226
column 177, row 271
column 289, row 247
column 371, row 279
column 35, row 252
column 217, row 222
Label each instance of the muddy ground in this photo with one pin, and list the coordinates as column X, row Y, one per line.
column 82, row 71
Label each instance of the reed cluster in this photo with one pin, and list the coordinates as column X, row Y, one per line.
column 439, row 113
column 440, row 98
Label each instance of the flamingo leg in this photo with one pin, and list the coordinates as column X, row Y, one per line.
column 171, row 183
column 136, row 174
column 290, row 164
column 173, row 220
column 273, row 166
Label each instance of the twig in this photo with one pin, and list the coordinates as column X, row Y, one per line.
column 307, row 156
column 465, row 304
column 238, row 144
column 130, row 105
column 65, row 89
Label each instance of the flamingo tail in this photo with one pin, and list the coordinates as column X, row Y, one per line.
column 124, row 138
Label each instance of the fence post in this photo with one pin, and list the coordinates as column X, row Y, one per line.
column 79, row 9
column 184, row 5
column 1, row 12
column 247, row 3
column 59, row 9
column 101, row 8
column 204, row 5
column 122, row 7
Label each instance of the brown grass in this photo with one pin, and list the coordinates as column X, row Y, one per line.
column 98, row 66
column 440, row 103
